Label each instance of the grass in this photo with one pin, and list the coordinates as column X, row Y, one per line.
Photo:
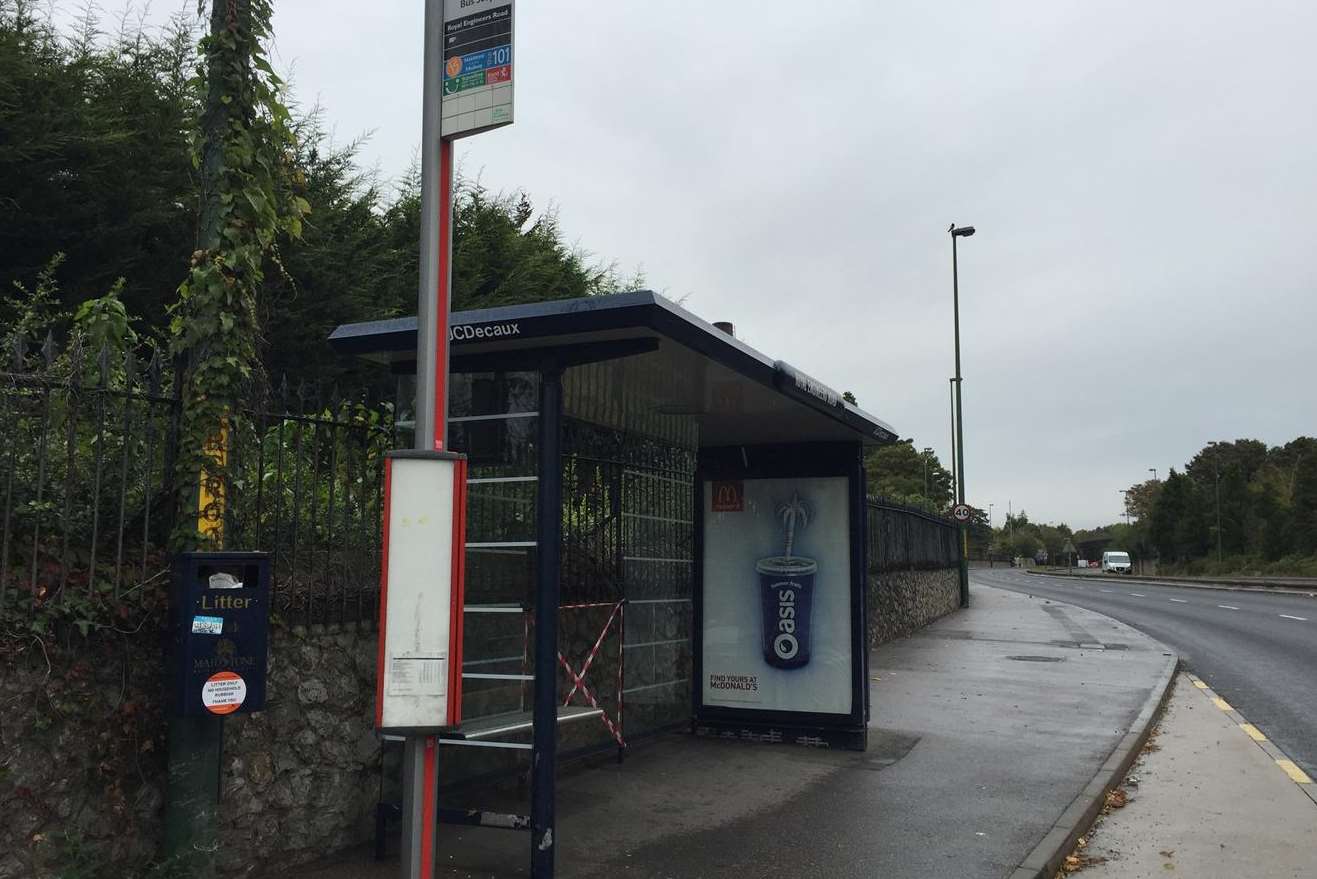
column 1243, row 566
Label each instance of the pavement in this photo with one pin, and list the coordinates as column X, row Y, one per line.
column 990, row 730
column 1208, row 802
column 1257, row 649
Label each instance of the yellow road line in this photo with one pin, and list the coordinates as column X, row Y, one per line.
column 1253, row 732
column 1200, row 685
column 1294, row 772
column 1221, row 703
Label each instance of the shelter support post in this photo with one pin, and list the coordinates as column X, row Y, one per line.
column 547, row 598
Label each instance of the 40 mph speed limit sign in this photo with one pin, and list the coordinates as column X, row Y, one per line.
column 960, row 512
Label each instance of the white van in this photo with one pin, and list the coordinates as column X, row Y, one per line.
column 1116, row 563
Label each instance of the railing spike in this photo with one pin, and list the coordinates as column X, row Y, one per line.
column 103, row 361
column 77, row 353
column 153, row 372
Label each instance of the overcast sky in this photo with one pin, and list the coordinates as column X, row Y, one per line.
column 1142, row 177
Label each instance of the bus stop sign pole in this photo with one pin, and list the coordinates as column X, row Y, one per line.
column 467, row 89
column 420, row 770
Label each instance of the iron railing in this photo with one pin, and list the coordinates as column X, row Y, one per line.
column 85, row 475
column 907, row 538
column 89, row 493
column 305, row 472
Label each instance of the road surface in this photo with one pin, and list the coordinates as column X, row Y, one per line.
column 1258, row 650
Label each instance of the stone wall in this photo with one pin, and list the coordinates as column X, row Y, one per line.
column 903, row 601
column 83, row 745
column 82, row 750
column 914, row 569
column 82, row 757
column 302, row 777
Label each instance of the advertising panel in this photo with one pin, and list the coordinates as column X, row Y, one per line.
column 776, row 621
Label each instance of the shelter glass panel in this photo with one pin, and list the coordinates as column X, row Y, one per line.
column 628, row 541
column 493, row 420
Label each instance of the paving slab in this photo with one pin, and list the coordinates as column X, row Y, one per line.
column 1209, row 802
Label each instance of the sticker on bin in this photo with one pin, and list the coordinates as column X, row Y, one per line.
column 223, row 692
column 207, row 625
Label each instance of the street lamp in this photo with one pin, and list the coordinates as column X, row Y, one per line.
column 928, row 452
column 1217, row 467
column 960, row 232
column 1129, row 526
column 1153, row 471
column 955, row 480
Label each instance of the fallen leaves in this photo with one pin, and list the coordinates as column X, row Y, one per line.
column 1075, row 863
column 1117, row 798
column 1079, row 859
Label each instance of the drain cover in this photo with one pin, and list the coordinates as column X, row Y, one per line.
column 1088, row 645
column 1035, row 658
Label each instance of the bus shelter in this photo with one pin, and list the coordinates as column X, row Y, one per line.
column 665, row 529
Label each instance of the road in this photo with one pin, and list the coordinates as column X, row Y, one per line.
column 1258, row 650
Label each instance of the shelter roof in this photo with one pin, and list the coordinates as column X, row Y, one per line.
column 736, row 393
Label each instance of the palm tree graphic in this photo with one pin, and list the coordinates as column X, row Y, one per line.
column 794, row 513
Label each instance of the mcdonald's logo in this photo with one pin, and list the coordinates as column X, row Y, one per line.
column 728, row 497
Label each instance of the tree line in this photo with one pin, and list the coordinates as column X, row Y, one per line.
column 1243, row 501
column 1236, row 506
column 100, row 197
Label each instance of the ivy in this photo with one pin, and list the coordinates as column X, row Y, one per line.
column 245, row 152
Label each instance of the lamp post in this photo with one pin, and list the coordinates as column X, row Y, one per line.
column 1217, row 467
column 1153, row 471
column 928, row 452
column 955, row 480
column 960, row 232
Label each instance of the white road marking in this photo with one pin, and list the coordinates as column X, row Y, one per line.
column 1178, row 600
column 1228, row 606
column 1138, row 595
column 1108, row 590
column 1300, row 619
